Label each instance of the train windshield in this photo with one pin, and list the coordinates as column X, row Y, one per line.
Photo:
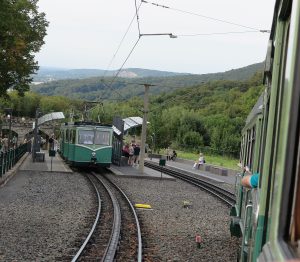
column 102, row 137
column 86, row 137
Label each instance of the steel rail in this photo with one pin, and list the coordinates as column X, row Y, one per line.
column 112, row 247
column 78, row 254
column 139, row 234
column 225, row 195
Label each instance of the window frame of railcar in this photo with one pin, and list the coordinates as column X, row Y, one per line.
column 73, row 136
column 263, row 137
column 242, row 150
column 82, row 134
column 70, row 135
column 250, row 146
column 247, row 148
column 290, row 202
column 105, row 133
column 253, row 133
column 261, row 141
column 290, row 163
column 276, row 128
column 67, row 135
column 62, row 135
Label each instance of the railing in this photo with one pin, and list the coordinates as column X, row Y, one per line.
column 9, row 158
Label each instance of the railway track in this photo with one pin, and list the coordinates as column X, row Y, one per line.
column 221, row 193
column 115, row 233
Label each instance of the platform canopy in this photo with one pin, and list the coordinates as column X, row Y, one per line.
column 50, row 117
column 129, row 122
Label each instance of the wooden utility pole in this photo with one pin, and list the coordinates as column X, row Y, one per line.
column 144, row 128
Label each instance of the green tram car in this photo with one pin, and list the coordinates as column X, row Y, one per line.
column 86, row 144
column 267, row 218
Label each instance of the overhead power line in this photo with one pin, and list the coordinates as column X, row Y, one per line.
column 137, row 15
column 116, row 75
column 207, row 17
column 118, row 48
column 220, row 33
column 121, row 42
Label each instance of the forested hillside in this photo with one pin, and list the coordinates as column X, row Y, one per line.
column 207, row 117
column 96, row 88
column 46, row 74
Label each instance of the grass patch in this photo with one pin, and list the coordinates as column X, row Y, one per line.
column 211, row 159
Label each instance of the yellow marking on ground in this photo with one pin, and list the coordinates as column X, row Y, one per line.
column 142, row 206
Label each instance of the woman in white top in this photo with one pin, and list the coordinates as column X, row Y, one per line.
column 200, row 162
column 201, row 159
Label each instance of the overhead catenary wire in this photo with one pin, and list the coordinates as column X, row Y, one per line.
column 122, row 40
column 118, row 72
column 118, row 48
column 182, row 35
column 137, row 16
column 218, row 33
column 206, row 17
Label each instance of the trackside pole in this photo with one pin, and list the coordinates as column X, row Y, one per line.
column 162, row 162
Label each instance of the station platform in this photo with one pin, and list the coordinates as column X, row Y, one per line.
column 133, row 171
column 187, row 167
column 58, row 165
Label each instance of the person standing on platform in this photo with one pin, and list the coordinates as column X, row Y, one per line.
column 5, row 143
column 168, row 153
column 51, row 142
column 131, row 152
column 136, row 154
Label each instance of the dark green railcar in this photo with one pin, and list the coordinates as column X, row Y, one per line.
column 86, row 143
column 267, row 218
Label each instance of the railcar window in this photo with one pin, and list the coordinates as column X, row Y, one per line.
column 253, row 133
column 242, row 153
column 86, row 137
column 102, row 137
column 73, row 136
column 70, row 136
column 247, row 148
column 67, row 135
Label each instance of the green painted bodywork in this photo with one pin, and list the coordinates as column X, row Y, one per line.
column 84, row 154
column 271, row 153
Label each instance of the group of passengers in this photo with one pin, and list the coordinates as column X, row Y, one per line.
column 5, row 145
column 132, row 151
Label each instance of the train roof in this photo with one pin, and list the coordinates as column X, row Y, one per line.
column 256, row 110
column 86, row 123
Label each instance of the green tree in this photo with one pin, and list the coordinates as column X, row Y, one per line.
column 22, row 30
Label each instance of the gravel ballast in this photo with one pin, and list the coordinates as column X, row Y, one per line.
column 42, row 215
column 169, row 229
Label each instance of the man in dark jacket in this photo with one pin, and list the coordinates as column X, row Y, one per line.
column 136, row 154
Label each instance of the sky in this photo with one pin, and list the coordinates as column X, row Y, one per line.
column 89, row 33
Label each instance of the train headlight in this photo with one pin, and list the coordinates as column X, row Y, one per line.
column 93, row 154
